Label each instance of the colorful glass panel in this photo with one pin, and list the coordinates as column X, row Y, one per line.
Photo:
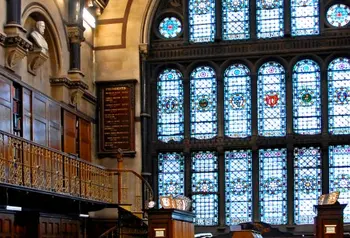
column 203, row 103
column 339, row 96
column 237, row 101
column 306, row 97
column 307, row 183
column 339, row 175
column 170, row 120
column 205, row 181
column 271, row 100
column 235, row 19
column 170, row 27
column 305, row 17
column 238, row 187
column 273, row 186
column 170, row 174
column 269, row 18
column 338, row 15
column 202, row 20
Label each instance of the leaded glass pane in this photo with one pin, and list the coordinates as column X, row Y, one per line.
column 269, row 18
column 170, row 174
column 305, row 17
column 306, row 97
column 237, row 101
column 235, row 19
column 339, row 175
column 307, row 183
column 202, row 20
column 271, row 100
column 273, row 186
column 205, row 181
column 170, row 122
column 238, row 187
column 339, row 96
column 203, row 103
column 338, row 15
column 170, row 27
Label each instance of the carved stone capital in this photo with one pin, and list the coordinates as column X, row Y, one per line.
column 36, row 58
column 16, row 49
column 76, row 33
column 2, row 38
column 143, row 49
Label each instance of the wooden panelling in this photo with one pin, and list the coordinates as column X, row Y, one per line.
column 6, row 225
column 70, row 228
column 69, row 132
column 49, row 227
column 55, row 126
column 85, row 139
column 5, row 105
column 40, row 122
column 27, row 115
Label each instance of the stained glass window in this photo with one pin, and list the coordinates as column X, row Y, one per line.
column 306, row 97
column 338, row 15
column 307, row 183
column 170, row 106
column 205, row 188
column 305, row 17
column 170, row 174
column 202, row 20
column 271, row 100
column 170, row 27
column 339, row 96
column 237, row 101
column 339, row 175
column 238, row 187
column 269, row 18
column 273, row 186
column 203, row 103
column 235, row 19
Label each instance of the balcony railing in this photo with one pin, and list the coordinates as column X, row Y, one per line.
column 29, row 165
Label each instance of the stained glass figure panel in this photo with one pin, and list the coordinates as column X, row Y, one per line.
column 306, row 97
column 339, row 96
column 170, row 120
column 273, row 185
column 271, row 100
column 269, row 18
column 235, row 19
column 307, row 183
column 170, row 27
column 171, row 174
column 205, row 187
column 238, row 187
column 339, row 175
column 237, row 104
column 203, row 95
column 202, row 20
column 305, row 17
column 338, row 15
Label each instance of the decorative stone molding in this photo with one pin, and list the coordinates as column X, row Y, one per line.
column 65, row 81
column 76, row 33
column 75, row 96
column 36, row 58
column 2, row 38
column 16, row 49
column 143, row 49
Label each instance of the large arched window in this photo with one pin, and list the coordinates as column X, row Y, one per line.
column 271, row 100
column 339, row 96
column 170, row 106
column 237, row 101
column 203, row 103
column 306, row 97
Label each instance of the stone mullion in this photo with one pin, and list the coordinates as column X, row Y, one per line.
column 218, row 22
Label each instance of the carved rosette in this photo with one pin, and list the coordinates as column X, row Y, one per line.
column 76, row 33
column 16, row 49
column 36, row 58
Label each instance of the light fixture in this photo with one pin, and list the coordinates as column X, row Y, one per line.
column 88, row 18
column 13, row 208
column 84, row 215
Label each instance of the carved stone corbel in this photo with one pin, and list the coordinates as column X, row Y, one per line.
column 36, row 58
column 143, row 49
column 75, row 96
column 16, row 49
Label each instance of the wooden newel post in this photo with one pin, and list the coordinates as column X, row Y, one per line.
column 120, row 167
column 329, row 221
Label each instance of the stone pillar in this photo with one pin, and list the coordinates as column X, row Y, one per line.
column 13, row 12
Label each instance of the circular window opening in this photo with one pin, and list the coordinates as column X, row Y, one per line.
column 338, row 15
column 170, row 27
